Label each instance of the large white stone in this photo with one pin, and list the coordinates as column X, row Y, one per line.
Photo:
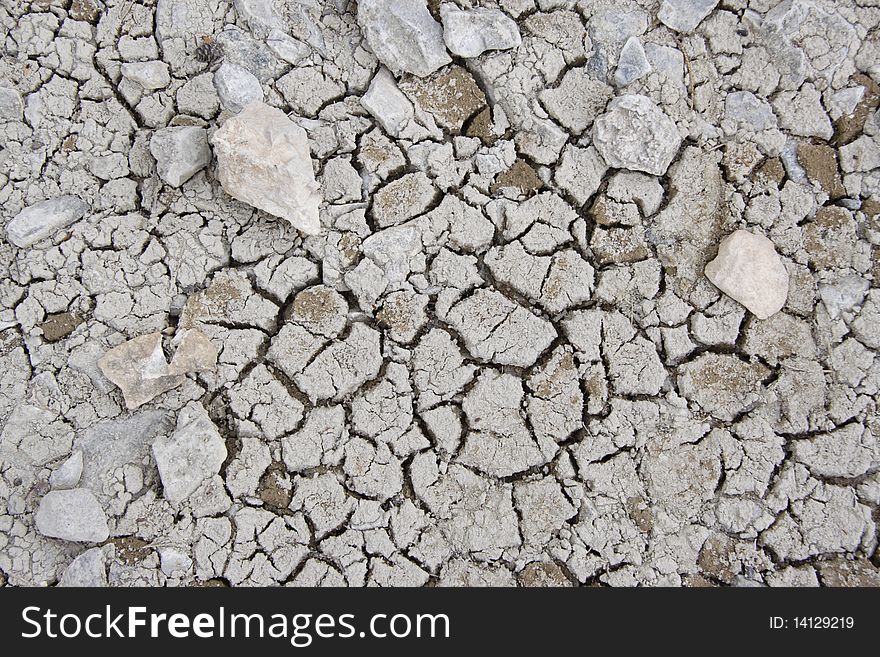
column 41, row 220
column 180, row 151
column 635, row 134
column 189, row 456
column 263, row 160
column 403, row 35
column 72, row 515
column 471, row 32
column 749, row 270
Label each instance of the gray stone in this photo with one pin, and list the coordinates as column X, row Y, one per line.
column 633, row 63
column 843, row 295
column 684, row 15
column 149, row 75
column 68, row 474
column 236, row 87
column 88, row 569
column 72, row 515
column 264, row 160
column 403, row 35
column 43, row 219
column 11, row 106
column 471, row 32
column 635, row 134
column 190, row 455
column 749, row 270
column 180, row 152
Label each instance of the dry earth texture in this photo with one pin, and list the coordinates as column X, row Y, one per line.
column 502, row 292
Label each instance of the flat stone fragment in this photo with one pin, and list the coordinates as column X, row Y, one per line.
column 88, row 569
column 190, row 455
column 149, row 75
column 403, row 35
column 43, row 219
column 264, row 160
column 749, row 270
column 139, row 367
column 11, row 106
column 635, row 134
column 633, row 63
column 684, row 15
column 180, row 152
column 72, row 515
column 237, row 87
column 471, row 32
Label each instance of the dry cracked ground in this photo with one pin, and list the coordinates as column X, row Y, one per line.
column 514, row 292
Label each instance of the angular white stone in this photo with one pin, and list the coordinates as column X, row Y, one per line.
column 632, row 64
column 11, row 105
column 264, row 160
column 41, row 220
column 386, row 102
column 469, row 33
column 139, row 367
column 635, row 134
column 189, row 456
column 67, row 475
column 150, row 75
column 685, row 15
column 403, row 35
column 72, row 515
column 236, row 87
column 88, row 569
column 180, row 152
column 749, row 270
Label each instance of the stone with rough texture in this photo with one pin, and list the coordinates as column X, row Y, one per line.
column 72, row 515
column 180, row 152
column 41, row 220
column 149, row 75
column 633, row 63
column 190, row 455
column 684, row 15
column 635, row 134
column 470, row 33
column 139, row 367
column 236, row 87
column 749, row 270
column 403, row 35
column 264, row 160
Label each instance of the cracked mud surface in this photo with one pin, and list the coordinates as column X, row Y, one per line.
column 500, row 359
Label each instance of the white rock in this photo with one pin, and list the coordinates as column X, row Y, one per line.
column 11, row 105
column 88, row 569
column 173, row 561
column 469, row 33
column 633, row 63
column 41, row 220
column 67, row 475
column 72, row 515
column 139, row 367
column 264, row 160
column 635, row 134
column 189, row 456
column 403, row 35
column 843, row 294
column 236, row 87
column 685, row 15
column 149, row 75
column 749, row 270
column 386, row 102
column 259, row 15
column 180, row 152
column 286, row 47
